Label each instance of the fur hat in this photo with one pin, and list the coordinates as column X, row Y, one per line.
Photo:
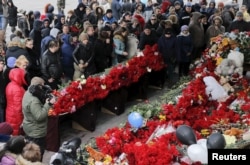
column 37, row 81
column 5, row 128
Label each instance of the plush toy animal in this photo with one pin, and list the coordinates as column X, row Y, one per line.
column 225, row 84
column 231, row 65
column 213, row 89
column 132, row 42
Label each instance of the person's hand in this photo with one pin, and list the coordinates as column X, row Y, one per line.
column 107, row 41
column 85, row 65
column 51, row 101
column 51, row 80
column 124, row 53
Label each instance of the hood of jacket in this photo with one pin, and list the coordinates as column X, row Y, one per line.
column 195, row 18
column 54, row 32
column 18, row 75
column 66, row 39
column 37, row 24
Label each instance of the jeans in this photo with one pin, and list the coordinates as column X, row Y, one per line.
column 2, row 21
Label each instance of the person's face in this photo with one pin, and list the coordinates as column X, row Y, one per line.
column 74, row 39
column 153, row 20
column 29, row 44
column 185, row 31
column 54, row 48
column 239, row 17
column 46, row 24
column 147, row 31
column 188, row 8
column 128, row 17
column 109, row 15
column 65, row 29
column 177, row 7
column 157, row 11
column 63, row 20
column 124, row 33
column 23, row 65
column 216, row 22
column 91, row 31
column 1, row 66
column 123, row 24
column 113, row 26
column 85, row 41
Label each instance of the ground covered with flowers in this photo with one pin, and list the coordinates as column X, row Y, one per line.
column 156, row 142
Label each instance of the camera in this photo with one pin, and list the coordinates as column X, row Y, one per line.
column 47, row 92
column 42, row 92
column 67, row 154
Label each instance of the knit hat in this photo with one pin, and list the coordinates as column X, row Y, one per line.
column 177, row 3
column 37, row 14
column 184, row 27
column 189, row 4
column 11, row 62
column 109, row 11
column 37, row 81
column 239, row 14
column 147, row 26
column 5, row 128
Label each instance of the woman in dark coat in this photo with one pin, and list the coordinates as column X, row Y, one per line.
column 12, row 11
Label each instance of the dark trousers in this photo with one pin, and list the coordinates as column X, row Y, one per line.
column 184, row 68
column 39, row 141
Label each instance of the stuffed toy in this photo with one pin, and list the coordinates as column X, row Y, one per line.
column 213, row 89
column 226, row 67
column 224, row 81
column 237, row 57
column 233, row 64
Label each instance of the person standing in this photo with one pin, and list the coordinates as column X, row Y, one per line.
column 35, row 107
column 2, row 90
column 12, row 11
column 51, row 66
column 184, row 49
column 84, row 58
column 12, row 149
column 61, row 6
column 14, row 94
column 167, row 45
column 5, row 20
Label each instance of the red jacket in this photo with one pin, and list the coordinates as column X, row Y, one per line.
column 14, row 95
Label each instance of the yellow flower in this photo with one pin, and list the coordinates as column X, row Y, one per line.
column 218, row 60
column 225, row 41
column 162, row 117
column 107, row 159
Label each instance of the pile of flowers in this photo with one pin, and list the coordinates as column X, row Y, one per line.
column 222, row 44
column 192, row 106
column 78, row 93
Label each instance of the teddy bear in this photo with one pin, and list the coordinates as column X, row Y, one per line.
column 224, row 81
column 214, row 89
column 233, row 64
column 226, row 67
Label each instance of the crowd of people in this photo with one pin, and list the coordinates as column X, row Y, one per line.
column 46, row 49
